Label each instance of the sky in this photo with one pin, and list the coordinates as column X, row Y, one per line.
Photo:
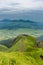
column 22, row 9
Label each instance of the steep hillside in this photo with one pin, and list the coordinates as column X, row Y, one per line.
column 3, row 48
column 23, row 43
column 27, row 52
column 7, row 42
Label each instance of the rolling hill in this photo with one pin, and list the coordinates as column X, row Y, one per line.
column 23, row 43
column 3, row 48
column 23, row 51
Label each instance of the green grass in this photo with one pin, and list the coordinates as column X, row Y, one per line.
column 23, row 42
column 3, row 48
column 21, row 58
column 22, row 52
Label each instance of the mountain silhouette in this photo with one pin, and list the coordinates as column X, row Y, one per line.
column 15, row 24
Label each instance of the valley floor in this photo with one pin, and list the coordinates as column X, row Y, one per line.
column 7, row 34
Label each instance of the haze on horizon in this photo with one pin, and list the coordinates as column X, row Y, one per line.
column 22, row 9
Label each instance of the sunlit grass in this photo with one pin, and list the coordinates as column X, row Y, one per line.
column 21, row 58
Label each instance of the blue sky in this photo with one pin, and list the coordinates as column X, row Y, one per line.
column 22, row 9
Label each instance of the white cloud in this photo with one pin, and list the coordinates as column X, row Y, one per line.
column 16, row 5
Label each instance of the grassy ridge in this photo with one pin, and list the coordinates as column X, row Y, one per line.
column 23, row 42
column 22, row 52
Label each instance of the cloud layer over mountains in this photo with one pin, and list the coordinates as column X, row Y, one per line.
column 16, row 5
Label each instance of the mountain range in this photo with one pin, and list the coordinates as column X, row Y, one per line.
column 15, row 24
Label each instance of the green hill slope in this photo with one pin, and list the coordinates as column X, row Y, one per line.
column 23, row 43
column 16, row 58
column 19, row 58
column 3, row 48
column 22, row 52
